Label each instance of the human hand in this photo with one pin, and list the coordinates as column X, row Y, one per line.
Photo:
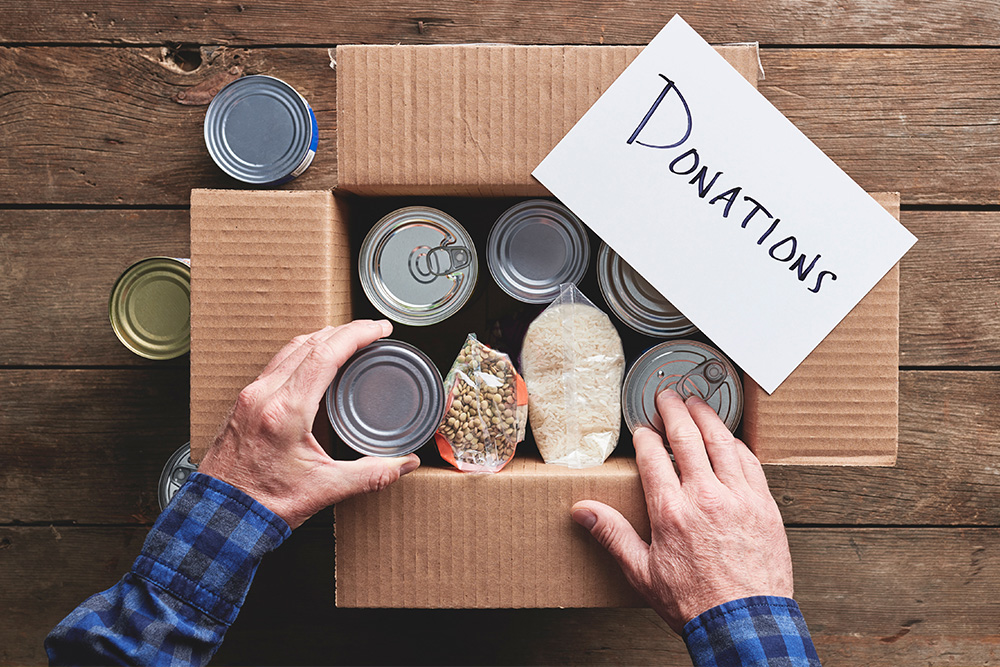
column 266, row 447
column 717, row 534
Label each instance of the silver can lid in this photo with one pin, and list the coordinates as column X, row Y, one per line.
column 534, row 247
column 689, row 368
column 259, row 130
column 177, row 470
column 418, row 266
column 387, row 400
column 637, row 303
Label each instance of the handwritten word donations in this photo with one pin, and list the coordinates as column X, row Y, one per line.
column 785, row 250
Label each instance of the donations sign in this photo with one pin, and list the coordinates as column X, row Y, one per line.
column 723, row 205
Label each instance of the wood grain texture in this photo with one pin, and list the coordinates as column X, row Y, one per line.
column 57, row 272
column 871, row 596
column 101, row 125
column 897, row 120
column 949, row 308
column 554, row 22
column 59, row 267
column 105, row 126
column 88, row 446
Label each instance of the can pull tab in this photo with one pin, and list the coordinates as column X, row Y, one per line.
column 703, row 380
column 428, row 264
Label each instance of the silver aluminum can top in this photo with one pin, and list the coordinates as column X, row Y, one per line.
column 387, row 400
column 637, row 303
column 260, row 130
column 534, row 247
column 418, row 266
column 689, row 368
column 177, row 470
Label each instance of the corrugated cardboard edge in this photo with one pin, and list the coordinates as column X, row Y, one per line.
column 265, row 266
column 841, row 405
column 469, row 120
column 439, row 538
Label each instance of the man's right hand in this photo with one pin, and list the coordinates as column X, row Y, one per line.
column 266, row 447
column 717, row 534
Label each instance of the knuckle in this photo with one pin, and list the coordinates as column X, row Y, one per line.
column 710, row 499
column 248, row 397
column 612, row 537
column 273, row 417
column 683, row 433
column 379, row 479
column 720, row 435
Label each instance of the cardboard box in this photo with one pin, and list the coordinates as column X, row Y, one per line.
column 471, row 121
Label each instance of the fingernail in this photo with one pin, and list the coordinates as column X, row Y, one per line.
column 410, row 465
column 694, row 399
column 585, row 518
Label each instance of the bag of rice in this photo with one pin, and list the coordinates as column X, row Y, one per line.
column 573, row 365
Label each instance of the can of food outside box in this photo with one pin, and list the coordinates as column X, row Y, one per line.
column 387, row 400
column 260, row 130
column 637, row 303
column 418, row 266
column 179, row 467
column 534, row 247
column 150, row 307
column 689, row 368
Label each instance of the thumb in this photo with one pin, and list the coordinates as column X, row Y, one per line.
column 366, row 475
column 615, row 534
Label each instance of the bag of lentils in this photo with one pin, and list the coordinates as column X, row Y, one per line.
column 487, row 410
column 573, row 365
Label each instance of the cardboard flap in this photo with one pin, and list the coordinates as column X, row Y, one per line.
column 265, row 267
column 841, row 405
column 470, row 120
column 441, row 538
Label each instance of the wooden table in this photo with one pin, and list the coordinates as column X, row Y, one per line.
column 98, row 152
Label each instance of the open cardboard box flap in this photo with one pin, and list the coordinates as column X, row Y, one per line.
column 474, row 121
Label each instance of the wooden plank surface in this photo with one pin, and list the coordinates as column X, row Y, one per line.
column 58, row 271
column 61, row 267
column 88, row 446
column 91, row 115
column 894, row 596
column 105, row 126
column 555, row 22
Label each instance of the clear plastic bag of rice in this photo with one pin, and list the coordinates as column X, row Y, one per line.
column 573, row 363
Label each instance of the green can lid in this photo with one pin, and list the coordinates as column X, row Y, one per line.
column 150, row 307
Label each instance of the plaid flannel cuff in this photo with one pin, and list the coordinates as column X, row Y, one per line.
column 760, row 631
column 206, row 545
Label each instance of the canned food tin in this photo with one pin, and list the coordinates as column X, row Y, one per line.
column 418, row 266
column 260, row 130
column 534, row 247
column 689, row 368
column 387, row 400
column 150, row 307
column 179, row 467
column 637, row 303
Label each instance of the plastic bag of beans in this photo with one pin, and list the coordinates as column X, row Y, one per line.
column 486, row 411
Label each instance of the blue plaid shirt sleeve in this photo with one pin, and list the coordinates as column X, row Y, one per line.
column 184, row 590
column 761, row 631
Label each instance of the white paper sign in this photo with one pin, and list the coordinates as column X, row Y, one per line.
column 732, row 213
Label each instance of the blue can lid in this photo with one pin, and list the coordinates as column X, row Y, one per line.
column 259, row 130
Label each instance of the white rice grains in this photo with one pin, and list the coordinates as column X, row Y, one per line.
column 573, row 366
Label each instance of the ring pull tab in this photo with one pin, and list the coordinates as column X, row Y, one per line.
column 703, row 380
column 428, row 264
